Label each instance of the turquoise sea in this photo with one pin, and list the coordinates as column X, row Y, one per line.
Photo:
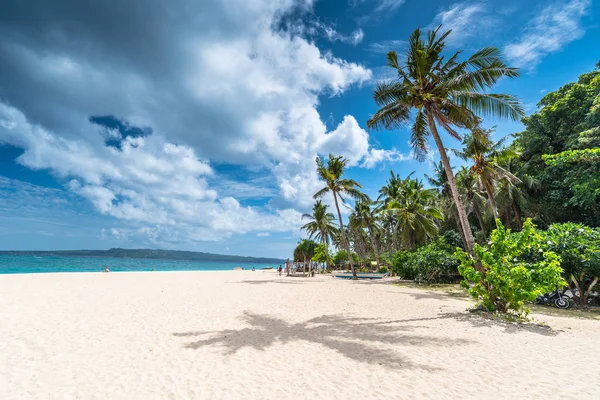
column 32, row 264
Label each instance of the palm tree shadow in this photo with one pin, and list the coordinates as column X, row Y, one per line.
column 275, row 281
column 356, row 339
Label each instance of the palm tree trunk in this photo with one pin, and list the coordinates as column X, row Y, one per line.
column 491, row 199
column 374, row 244
column 481, row 224
column 343, row 233
column 517, row 212
column 326, row 247
column 462, row 215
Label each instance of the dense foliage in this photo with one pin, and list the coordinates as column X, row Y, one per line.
column 433, row 262
column 579, row 249
column 549, row 174
column 560, row 149
column 514, row 268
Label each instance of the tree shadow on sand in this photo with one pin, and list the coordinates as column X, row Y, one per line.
column 359, row 339
column 275, row 281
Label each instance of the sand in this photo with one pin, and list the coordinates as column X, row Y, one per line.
column 254, row 335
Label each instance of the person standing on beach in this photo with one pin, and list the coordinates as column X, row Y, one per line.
column 280, row 269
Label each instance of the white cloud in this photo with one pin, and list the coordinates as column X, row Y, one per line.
column 388, row 6
column 387, row 46
column 214, row 81
column 157, row 185
column 467, row 20
column 263, row 234
column 354, row 38
column 377, row 156
column 552, row 29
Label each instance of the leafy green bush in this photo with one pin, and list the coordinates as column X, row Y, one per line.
column 340, row 257
column 514, row 267
column 383, row 269
column 433, row 262
column 403, row 266
column 579, row 249
column 320, row 255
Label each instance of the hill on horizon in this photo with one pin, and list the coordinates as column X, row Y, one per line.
column 156, row 254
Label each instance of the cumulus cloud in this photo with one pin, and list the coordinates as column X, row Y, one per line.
column 216, row 83
column 377, row 156
column 553, row 28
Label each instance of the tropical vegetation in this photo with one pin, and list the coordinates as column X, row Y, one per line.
column 523, row 210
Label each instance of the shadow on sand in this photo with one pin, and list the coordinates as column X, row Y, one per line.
column 274, row 281
column 354, row 338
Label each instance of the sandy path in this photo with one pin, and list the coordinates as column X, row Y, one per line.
column 253, row 335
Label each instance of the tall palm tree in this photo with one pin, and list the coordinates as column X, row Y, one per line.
column 416, row 211
column 447, row 92
column 321, row 226
column 476, row 203
column 487, row 156
column 514, row 197
column 365, row 216
column 332, row 174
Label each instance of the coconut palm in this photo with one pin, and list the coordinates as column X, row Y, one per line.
column 513, row 196
column 416, row 211
column 447, row 92
column 364, row 216
column 486, row 157
column 474, row 199
column 321, row 226
column 332, row 174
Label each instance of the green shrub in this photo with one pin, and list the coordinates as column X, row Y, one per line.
column 383, row 269
column 513, row 268
column 403, row 266
column 433, row 262
column 340, row 257
column 579, row 249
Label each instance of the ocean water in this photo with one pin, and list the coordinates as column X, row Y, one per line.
column 31, row 264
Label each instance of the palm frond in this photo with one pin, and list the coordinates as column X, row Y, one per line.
column 419, row 135
column 504, row 106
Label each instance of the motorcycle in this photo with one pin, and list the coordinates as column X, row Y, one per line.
column 556, row 297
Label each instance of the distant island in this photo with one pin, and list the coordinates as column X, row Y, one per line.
column 148, row 254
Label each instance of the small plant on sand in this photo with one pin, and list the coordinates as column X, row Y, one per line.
column 514, row 268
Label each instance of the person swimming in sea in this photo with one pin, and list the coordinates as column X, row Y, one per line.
column 106, row 269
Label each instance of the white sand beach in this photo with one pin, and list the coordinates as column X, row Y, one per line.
column 254, row 335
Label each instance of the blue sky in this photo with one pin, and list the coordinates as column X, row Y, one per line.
column 195, row 126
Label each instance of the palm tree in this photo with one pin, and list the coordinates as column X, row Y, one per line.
column 365, row 216
column 332, row 174
column 321, row 226
column 445, row 92
column 486, row 157
column 516, row 196
column 473, row 198
column 416, row 211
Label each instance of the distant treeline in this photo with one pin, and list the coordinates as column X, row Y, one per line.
column 149, row 254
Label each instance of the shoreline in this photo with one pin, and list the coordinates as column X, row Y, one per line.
column 130, row 272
